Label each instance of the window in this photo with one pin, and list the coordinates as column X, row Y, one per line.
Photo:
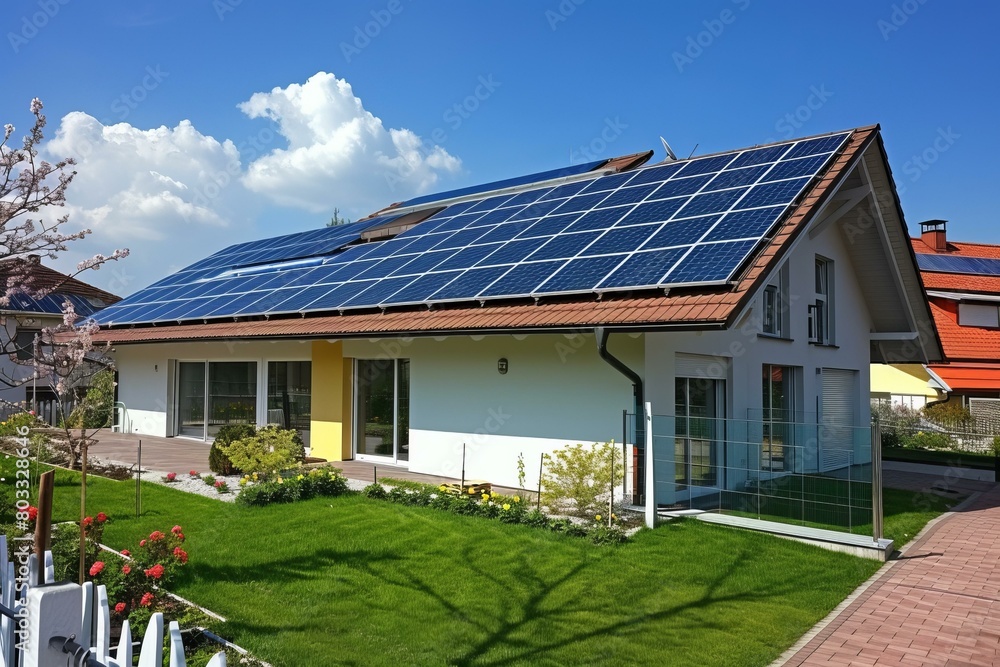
column 772, row 311
column 289, row 395
column 978, row 315
column 382, row 409
column 214, row 393
column 821, row 312
column 24, row 343
column 778, row 410
column 774, row 305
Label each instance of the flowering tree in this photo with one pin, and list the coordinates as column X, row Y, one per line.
column 64, row 354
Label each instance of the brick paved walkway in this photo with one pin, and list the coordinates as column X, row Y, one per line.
column 938, row 605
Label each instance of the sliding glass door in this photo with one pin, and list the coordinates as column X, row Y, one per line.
column 382, row 409
column 191, row 399
column 211, row 394
column 289, row 395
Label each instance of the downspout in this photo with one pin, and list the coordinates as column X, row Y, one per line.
column 639, row 466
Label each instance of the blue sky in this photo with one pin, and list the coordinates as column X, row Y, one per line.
column 201, row 124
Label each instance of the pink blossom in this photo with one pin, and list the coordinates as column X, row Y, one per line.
column 120, row 608
column 96, row 568
column 147, row 599
column 36, row 105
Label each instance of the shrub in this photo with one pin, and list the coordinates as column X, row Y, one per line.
column 209, row 480
column 13, row 425
column 97, row 409
column 375, row 490
column 576, row 478
column 930, row 440
column 898, row 423
column 317, row 482
column 951, row 414
column 603, row 534
column 270, row 449
column 136, row 582
column 218, row 462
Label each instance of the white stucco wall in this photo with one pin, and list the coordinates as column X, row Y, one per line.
column 557, row 391
column 143, row 374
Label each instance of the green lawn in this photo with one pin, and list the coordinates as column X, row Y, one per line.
column 819, row 502
column 352, row 581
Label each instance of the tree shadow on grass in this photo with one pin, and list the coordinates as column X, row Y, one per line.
column 515, row 627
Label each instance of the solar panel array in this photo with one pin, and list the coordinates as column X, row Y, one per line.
column 689, row 222
column 955, row 264
column 52, row 304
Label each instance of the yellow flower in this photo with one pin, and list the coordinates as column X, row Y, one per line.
column 472, row 491
column 506, row 506
column 280, row 481
column 517, row 499
column 486, row 496
column 301, row 477
column 441, row 488
column 598, row 517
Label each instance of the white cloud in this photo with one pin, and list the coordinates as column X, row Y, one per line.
column 175, row 195
column 153, row 191
column 339, row 154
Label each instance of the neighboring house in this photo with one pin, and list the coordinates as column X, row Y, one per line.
column 24, row 317
column 522, row 316
column 962, row 282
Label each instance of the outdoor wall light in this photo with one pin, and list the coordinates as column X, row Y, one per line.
column 502, row 365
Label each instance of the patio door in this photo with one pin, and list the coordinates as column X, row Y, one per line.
column 382, row 410
column 211, row 394
column 699, row 409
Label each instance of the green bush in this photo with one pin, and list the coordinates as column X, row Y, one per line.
column 930, row 440
column 218, row 462
column 317, row 482
column 17, row 424
column 951, row 414
column 898, row 423
column 98, row 405
column 374, row 490
column 269, row 450
column 577, row 478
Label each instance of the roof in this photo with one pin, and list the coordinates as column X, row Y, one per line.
column 969, row 377
column 964, row 343
column 959, row 248
column 86, row 298
column 958, row 282
column 714, row 306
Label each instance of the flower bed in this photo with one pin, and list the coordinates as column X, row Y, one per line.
column 288, row 489
column 507, row 509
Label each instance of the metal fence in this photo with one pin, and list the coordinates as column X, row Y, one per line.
column 813, row 474
column 50, row 411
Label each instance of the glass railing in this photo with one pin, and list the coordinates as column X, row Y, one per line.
column 806, row 473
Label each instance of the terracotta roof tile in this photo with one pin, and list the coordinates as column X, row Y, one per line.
column 963, row 343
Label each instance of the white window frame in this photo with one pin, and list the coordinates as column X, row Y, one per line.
column 774, row 306
column 821, row 313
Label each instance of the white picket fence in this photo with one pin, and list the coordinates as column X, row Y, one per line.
column 57, row 625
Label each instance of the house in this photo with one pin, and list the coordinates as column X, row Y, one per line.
column 962, row 282
column 458, row 331
column 25, row 316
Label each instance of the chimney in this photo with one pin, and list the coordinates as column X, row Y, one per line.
column 934, row 233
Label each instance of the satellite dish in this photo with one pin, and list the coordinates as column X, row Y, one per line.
column 670, row 152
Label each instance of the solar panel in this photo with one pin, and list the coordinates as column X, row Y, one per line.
column 689, row 222
column 983, row 266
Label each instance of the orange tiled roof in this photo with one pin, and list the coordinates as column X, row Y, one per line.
column 683, row 307
column 959, row 248
column 964, row 343
column 968, row 377
column 960, row 282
